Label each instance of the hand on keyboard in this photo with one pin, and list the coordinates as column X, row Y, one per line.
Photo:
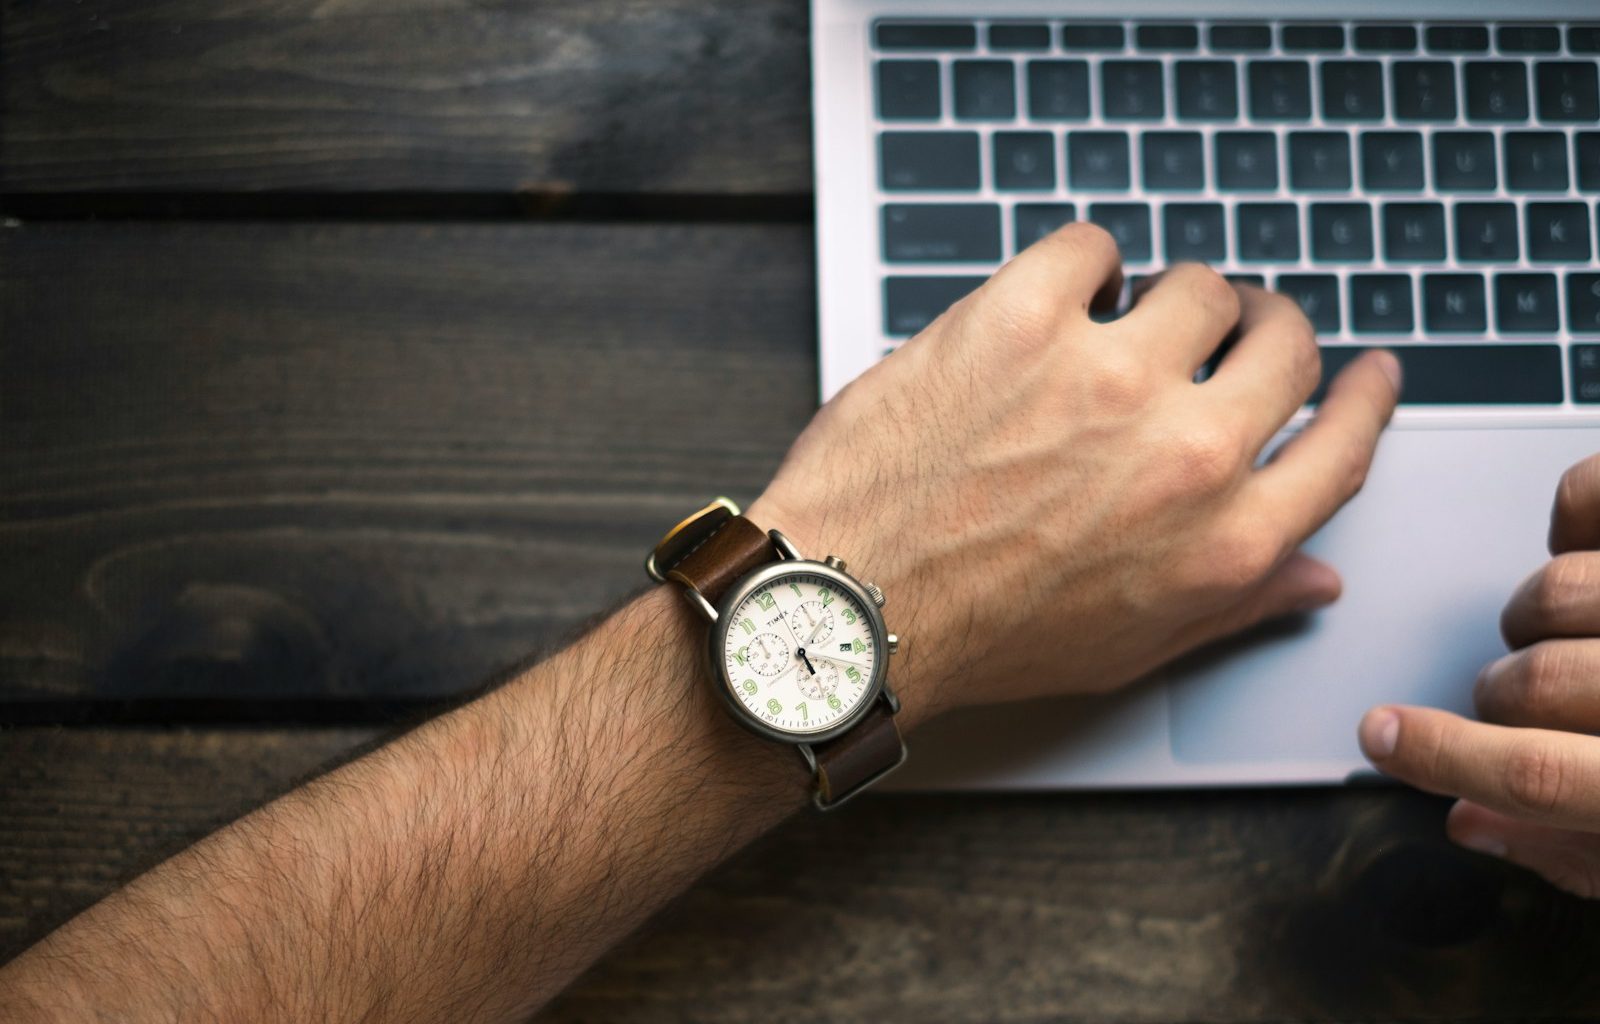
column 1529, row 773
column 1062, row 506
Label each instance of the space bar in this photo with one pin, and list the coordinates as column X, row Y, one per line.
column 1465, row 374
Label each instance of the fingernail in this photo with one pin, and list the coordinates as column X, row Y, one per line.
column 1492, row 846
column 1391, row 369
column 1380, row 731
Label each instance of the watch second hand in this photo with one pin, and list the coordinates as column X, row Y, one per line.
column 841, row 661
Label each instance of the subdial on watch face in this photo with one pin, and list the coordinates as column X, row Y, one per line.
column 822, row 685
column 768, row 654
column 813, row 623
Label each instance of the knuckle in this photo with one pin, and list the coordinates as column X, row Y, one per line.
column 1089, row 239
column 1556, row 585
column 1117, row 383
column 1206, row 458
column 1353, row 466
column 1239, row 556
column 1538, row 680
column 1210, row 290
column 1537, row 777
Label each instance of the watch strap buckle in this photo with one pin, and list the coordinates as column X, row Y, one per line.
column 686, row 536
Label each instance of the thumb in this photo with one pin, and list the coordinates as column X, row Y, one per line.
column 1300, row 584
column 1568, row 860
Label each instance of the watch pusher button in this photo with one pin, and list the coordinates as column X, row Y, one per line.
column 834, row 562
column 873, row 592
column 892, row 642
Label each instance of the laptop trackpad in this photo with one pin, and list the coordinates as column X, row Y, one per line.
column 1450, row 521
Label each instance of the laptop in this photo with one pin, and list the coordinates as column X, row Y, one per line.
column 1422, row 176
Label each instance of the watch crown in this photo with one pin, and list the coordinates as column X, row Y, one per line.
column 892, row 642
column 834, row 562
column 873, row 592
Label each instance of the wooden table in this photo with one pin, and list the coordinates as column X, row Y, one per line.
column 342, row 352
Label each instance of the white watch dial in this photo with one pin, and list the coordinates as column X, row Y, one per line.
column 799, row 652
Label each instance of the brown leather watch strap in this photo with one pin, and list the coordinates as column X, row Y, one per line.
column 734, row 549
column 869, row 751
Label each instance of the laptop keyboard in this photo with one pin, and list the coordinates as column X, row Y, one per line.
column 1429, row 187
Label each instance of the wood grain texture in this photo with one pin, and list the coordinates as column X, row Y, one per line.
column 1241, row 906
column 302, row 461
column 671, row 97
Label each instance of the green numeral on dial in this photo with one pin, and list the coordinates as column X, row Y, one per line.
column 853, row 674
column 766, row 601
column 826, row 595
column 749, row 627
column 796, row 588
column 801, row 707
column 850, row 616
column 739, row 655
column 857, row 646
column 834, row 702
column 749, row 685
column 774, row 707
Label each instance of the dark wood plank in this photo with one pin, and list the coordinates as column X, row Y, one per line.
column 669, row 97
column 296, row 461
column 1231, row 906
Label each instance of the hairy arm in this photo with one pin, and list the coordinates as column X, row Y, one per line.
column 1053, row 505
column 465, row 871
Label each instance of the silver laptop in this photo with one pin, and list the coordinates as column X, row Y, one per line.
column 1418, row 175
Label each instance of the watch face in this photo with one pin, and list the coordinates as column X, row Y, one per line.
column 799, row 651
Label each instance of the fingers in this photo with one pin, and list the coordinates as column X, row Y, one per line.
column 1300, row 584
column 1575, row 520
column 1567, row 859
column 1554, row 684
column 1074, row 268
column 1552, row 778
column 1184, row 312
column 1318, row 471
column 1561, row 599
column 1273, row 367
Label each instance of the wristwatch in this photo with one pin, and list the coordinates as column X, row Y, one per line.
column 798, row 649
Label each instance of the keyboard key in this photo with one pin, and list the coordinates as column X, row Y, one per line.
column 1380, row 303
column 1424, row 90
column 912, row 303
column 1583, row 38
column 1457, row 38
column 1307, row 38
column 1454, row 304
column 1341, row 232
column 1268, row 232
column 1167, row 37
column 1438, row 374
column 928, row 161
column 1486, row 232
column 941, row 232
column 1318, row 296
column 1568, row 90
column 1525, row 303
column 1528, row 38
column 1254, row 280
column 1173, row 161
column 985, row 90
column 1092, row 37
column 1497, row 90
column 1352, row 90
column 1319, row 161
column 1558, row 232
column 1024, row 161
column 1131, row 90
column 1536, row 161
column 1386, row 38
column 895, row 35
column 1247, row 161
column 1413, row 232
column 1208, row 90
column 1391, row 161
column 1464, row 162
column 1019, row 37
column 1586, row 153
column 1098, row 161
column 1237, row 38
column 1035, row 220
column 1058, row 90
column 1583, row 303
column 908, row 90
column 1129, row 224
column 1586, row 373
column 1194, row 231
column 1280, row 90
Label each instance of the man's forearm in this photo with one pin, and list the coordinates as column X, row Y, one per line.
column 464, row 872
